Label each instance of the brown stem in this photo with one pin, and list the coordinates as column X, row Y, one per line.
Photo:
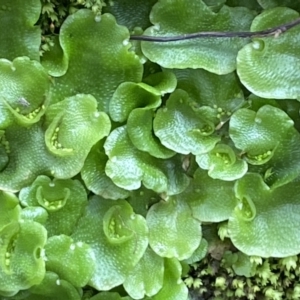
column 275, row 31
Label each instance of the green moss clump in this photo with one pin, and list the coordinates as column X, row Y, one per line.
column 236, row 276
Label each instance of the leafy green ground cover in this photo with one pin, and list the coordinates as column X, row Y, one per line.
column 149, row 170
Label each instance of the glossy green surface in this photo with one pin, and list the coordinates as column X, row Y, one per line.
column 125, row 165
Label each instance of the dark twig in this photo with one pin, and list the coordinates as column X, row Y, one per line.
column 276, row 31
